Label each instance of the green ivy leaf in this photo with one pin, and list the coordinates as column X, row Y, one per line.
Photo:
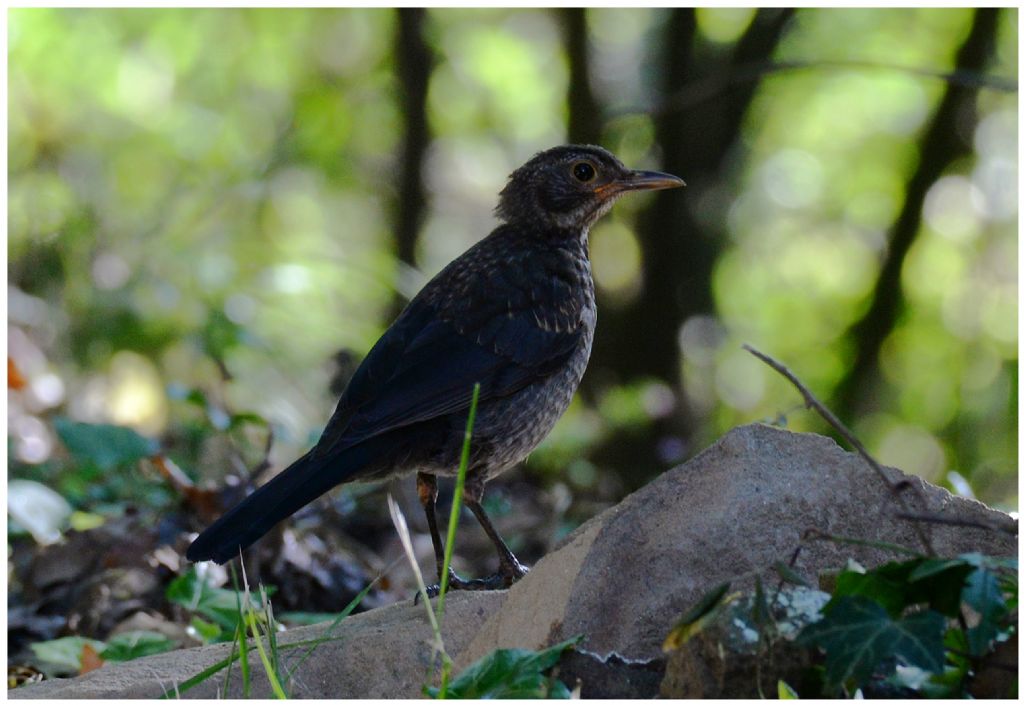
column 886, row 585
column 933, row 566
column 103, row 445
column 980, row 560
column 858, row 634
column 983, row 593
column 511, row 673
column 133, row 645
column 899, row 584
column 939, row 584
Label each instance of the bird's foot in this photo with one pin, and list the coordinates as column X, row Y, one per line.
column 506, row 575
column 512, row 570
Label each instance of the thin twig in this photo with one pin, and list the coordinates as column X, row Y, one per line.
column 792, row 564
column 264, row 464
column 895, row 488
column 813, row 534
column 955, row 521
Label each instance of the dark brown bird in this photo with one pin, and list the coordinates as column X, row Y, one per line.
column 514, row 313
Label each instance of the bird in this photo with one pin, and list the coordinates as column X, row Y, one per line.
column 514, row 314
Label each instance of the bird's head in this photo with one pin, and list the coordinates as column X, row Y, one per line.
column 571, row 187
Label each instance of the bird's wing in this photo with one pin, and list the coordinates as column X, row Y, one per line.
column 423, row 367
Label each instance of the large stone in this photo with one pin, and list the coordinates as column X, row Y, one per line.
column 743, row 504
column 622, row 579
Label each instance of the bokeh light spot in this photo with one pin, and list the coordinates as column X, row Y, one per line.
column 615, row 256
column 951, row 208
column 724, row 25
column 110, row 271
column 913, row 450
column 739, row 380
column 135, row 396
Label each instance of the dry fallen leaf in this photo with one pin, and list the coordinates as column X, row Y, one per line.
column 90, row 660
column 14, row 378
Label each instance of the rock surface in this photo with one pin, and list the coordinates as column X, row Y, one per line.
column 741, row 505
column 383, row 653
column 621, row 579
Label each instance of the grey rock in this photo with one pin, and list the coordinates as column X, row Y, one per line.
column 625, row 576
column 383, row 653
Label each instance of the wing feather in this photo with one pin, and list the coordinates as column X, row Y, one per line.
column 424, row 367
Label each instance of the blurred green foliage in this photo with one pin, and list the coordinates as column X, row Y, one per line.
column 63, row 656
column 908, row 613
column 202, row 200
column 215, row 612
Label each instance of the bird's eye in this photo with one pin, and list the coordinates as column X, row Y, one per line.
column 584, row 171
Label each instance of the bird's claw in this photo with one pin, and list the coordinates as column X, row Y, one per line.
column 504, row 578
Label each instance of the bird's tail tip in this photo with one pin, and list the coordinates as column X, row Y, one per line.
column 200, row 551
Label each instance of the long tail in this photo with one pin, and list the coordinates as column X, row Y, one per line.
column 293, row 488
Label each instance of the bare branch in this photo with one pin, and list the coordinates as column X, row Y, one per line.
column 707, row 88
column 895, row 488
column 264, row 463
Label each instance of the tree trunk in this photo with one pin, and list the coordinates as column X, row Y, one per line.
column 946, row 139
column 414, row 63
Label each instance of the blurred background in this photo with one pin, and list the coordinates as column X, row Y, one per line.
column 213, row 214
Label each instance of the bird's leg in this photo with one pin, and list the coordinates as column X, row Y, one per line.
column 426, row 488
column 509, row 568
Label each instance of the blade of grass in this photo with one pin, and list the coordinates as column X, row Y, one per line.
column 398, row 519
column 199, row 677
column 453, row 519
column 210, row 671
column 251, row 619
column 275, row 684
column 268, row 612
column 243, row 642
column 311, row 644
column 449, row 544
column 231, row 660
column 226, row 663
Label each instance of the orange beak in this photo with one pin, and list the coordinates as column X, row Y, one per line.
column 639, row 181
